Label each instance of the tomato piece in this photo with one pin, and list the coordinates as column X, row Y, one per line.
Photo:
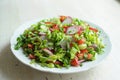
column 58, row 62
column 55, row 27
column 62, row 18
column 89, row 56
column 74, row 62
column 80, row 55
column 71, row 44
column 48, row 23
column 65, row 28
column 30, row 46
column 93, row 29
column 80, row 31
column 81, row 41
column 84, row 51
column 31, row 56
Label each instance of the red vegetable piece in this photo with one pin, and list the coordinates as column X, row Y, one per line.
column 55, row 27
column 65, row 28
column 80, row 55
column 71, row 44
column 67, row 20
column 62, row 18
column 89, row 56
column 80, row 61
column 93, row 29
column 30, row 46
column 81, row 41
column 47, row 51
column 58, row 62
column 74, row 62
column 84, row 51
column 48, row 23
column 31, row 56
column 80, row 30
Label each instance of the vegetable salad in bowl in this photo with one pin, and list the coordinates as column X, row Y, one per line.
column 60, row 42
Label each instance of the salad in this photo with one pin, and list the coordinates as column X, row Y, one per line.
column 60, row 42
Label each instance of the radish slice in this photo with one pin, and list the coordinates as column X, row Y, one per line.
column 42, row 33
column 64, row 43
column 73, row 29
column 80, row 61
column 43, row 37
column 47, row 51
column 94, row 46
column 68, row 20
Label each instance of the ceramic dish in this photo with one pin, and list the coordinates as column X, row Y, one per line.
column 87, row 65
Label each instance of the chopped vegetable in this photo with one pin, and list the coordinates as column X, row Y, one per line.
column 62, row 18
column 80, row 55
column 67, row 20
column 89, row 56
column 30, row 46
column 84, row 51
column 93, row 29
column 81, row 41
column 74, row 62
column 31, row 56
column 47, row 51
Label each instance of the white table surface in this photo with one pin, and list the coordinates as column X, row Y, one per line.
column 105, row 13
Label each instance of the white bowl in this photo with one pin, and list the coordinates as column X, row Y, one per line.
column 87, row 65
